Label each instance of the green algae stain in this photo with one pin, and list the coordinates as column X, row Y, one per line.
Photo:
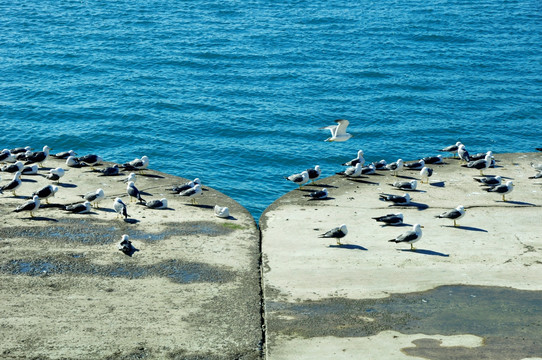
column 509, row 321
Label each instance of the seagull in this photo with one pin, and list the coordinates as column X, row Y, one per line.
column 354, row 161
column 478, row 156
column 13, row 185
column 131, row 177
column 415, row 166
column 46, row 192
column 187, row 185
column 390, row 219
column 352, row 171
column 395, row 166
column 314, row 173
column 537, row 167
column 380, row 165
column 90, row 159
column 451, row 148
column 134, row 192
column 489, row 181
column 6, row 156
column 94, row 197
column 368, row 170
column 338, row 233
column 157, row 204
column 338, row 132
column 136, row 164
column 110, row 171
column 480, row 164
column 20, row 150
column 222, row 212
column 83, row 208
column 454, row 214
column 299, row 179
column 55, row 174
column 405, row 185
column 433, row 159
column 64, row 154
column 120, row 208
column 73, row 162
column 463, row 153
column 503, row 189
column 126, row 246
column 409, row 237
column 38, row 157
column 318, row 195
column 396, row 199
column 31, row 205
column 13, row 168
column 425, row 174
column 192, row 192
column 30, row 170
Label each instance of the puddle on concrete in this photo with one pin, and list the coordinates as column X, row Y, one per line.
column 510, row 321
column 92, row 233
column 176, row 271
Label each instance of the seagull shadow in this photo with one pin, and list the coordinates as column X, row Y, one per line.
column 131, row 221
column 517, row 203
column 406, row 177
column 328, row 198
column 425, row 252
column 348, row 247
column 67, row 185
column 41, row 218
column 420, row 206
column 321, row 185
column 201, row 206
column 130, row 251
column 105, row 210
column 398, row 225
column 29, row 180
column 357, row 180
column 152, row 176
column 57, row 206
column 440, row 184
column 228, row 218
column 469, row 228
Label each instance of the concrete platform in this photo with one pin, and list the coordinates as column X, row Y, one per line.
column 370, row 298
column 191, row 291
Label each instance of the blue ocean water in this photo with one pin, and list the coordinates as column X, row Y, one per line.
column 234, row 92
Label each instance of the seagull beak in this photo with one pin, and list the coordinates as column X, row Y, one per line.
column 422, row 226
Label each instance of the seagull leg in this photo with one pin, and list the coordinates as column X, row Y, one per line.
column 412, row 247
column 339, row 242
column 503, row 199
column 455, row 224
column 47, row 200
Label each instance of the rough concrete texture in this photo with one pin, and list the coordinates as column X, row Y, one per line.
column 191, row 291
column 324, row 300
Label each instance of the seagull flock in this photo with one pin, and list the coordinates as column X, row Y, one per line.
column 357, row 168
column 23, row 162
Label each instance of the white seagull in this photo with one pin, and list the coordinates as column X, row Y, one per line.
column 222, row 212
column 338, row 132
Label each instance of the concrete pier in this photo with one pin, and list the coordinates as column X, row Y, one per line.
column 320, row 296
column 190, row 291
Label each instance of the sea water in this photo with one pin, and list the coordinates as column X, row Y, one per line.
column 235, row 92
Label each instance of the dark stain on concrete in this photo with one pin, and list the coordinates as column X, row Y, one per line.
column 509, row 320
column 175, row 270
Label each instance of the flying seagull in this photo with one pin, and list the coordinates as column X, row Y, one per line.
column 338, row 132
